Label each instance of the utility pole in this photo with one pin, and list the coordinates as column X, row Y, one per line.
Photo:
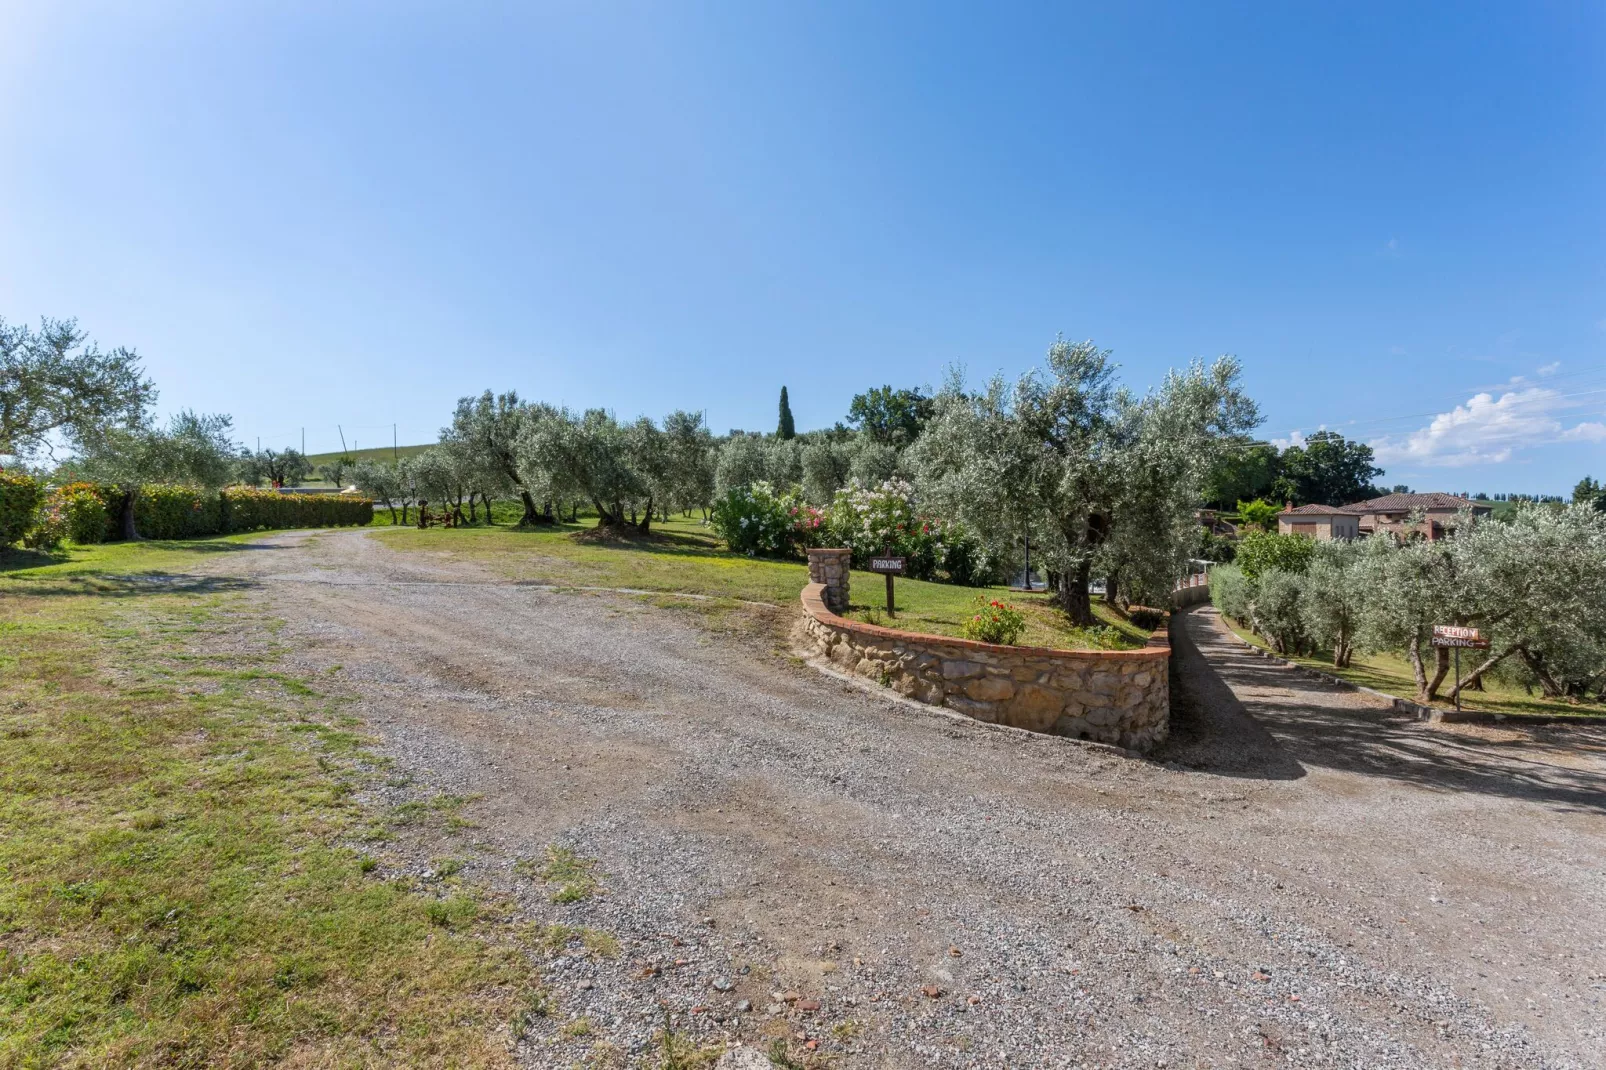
column 342, row 439
column 303, row 442
column 395, row 453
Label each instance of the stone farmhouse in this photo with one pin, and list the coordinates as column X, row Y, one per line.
column 1388, row 515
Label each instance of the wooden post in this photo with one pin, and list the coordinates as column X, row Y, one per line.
column 892, row 608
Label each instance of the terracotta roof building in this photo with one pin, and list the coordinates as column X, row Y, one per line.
column 1320, row 522
column 1389, row 513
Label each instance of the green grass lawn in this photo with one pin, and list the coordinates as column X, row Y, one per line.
column 941, row 609
column 684, row 556
column 92, row 563
column 679, row 556
column 1392, row 675
column 176, row 819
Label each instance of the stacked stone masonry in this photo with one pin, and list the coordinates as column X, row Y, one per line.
column 830, row 569
column 1110, row 696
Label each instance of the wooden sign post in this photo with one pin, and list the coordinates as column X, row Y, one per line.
column 1458, row 638
column 889, row 567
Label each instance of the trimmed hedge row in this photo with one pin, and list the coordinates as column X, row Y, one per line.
column 91, row 512
column 250, row 509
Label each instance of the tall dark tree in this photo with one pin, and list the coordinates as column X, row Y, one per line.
column 1590, row 492
column 786, row 428
column 1245, row 472
column 891, row 417
column 1330, row 470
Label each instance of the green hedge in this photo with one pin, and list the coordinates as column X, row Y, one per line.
column 91, row 512
column 250, row 509
column 174, row 512
column 19, row 501
column 164, row 511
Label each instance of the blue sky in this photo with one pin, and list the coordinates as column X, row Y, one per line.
column 353, row 214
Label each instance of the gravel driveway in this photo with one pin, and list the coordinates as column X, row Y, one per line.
column 1299, row 879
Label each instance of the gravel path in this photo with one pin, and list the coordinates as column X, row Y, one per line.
column 1298, row 879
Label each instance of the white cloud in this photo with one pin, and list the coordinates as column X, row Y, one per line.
column 1295, row 438
column 1488, row 430
column 1549, row 369
column 1586, row 432
column 1392, row 247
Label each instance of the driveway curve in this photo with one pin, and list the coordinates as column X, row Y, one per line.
column 1299, row 878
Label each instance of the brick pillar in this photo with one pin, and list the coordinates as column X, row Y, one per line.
column 830, row 567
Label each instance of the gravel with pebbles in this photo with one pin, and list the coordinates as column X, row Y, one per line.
column 1297, row 878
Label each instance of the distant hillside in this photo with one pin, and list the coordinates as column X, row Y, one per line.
column 378, row 453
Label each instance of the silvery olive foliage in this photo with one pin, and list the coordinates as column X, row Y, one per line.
column 1535, row 587
column 1335, row 592
column 1091, row 469
column 56, row 385
column 747, row 458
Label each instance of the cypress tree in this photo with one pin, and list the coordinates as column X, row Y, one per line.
column 787, row 428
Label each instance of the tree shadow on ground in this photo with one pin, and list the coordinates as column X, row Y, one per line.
column 17, row 560
column 112, row 586
column 1211, row 730
column 1316, row 723
column 660, row 542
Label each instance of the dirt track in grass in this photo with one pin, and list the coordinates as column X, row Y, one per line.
column 1298, row 878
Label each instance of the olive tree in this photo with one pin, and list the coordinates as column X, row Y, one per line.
column 827, row 467
column 592, row 456
column 388, row 483
column 1336, row 591
column 1068, row 454
column 281, row 468
column 688, row 448
column 486, row 429
column 444, row 474
column 55, row 386
column 1537, row 585
column 746, row 458
column 743, row 460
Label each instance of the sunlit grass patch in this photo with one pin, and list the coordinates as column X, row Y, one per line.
column 574, row 875
column 176, row 890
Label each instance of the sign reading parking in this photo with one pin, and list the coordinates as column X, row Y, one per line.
column 889, row 567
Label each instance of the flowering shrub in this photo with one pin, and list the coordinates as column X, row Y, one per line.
column 49, row 528
column 87, row 510
column 809, row 525
column 19, row 498
column 755, row 521
column 870, row 521
column 994, row 622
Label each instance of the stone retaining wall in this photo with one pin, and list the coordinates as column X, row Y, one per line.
column 1111, row 696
